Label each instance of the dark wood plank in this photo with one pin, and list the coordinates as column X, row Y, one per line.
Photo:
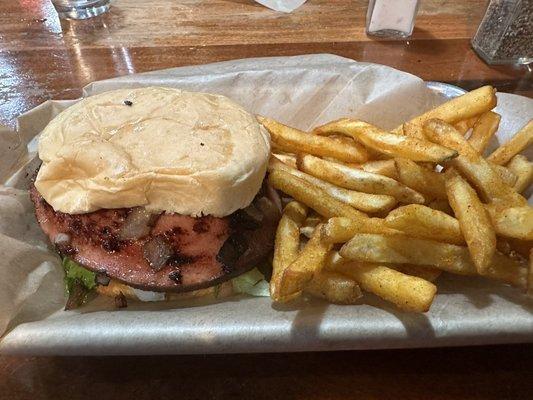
column 28, row 25
column 499, row 373
column 60, row 73
column 42, row 57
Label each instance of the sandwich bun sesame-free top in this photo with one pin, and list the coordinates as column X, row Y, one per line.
column 161, row 148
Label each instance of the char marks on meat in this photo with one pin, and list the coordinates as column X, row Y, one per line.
column 172, row 253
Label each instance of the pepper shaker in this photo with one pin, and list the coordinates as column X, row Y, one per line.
column 505, row 35
column 391, row 18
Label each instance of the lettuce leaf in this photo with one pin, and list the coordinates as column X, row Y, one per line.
column 252, row 283
column 79, row 283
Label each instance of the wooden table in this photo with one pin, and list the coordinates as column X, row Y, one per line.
column 43, row 58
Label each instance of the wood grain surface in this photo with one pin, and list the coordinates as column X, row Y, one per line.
column 43, row 58
column 495, row 373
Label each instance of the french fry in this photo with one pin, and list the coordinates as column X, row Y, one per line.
column 462, row 126
column 460, row 108
column 287, row 244
column 506, row 175
column 475, row 223
column 422, row 271
column 409, row 293
column 288, row 159
column 410, row 129
column 312, row 196
column 309, row 225
column 295, row 141
column 348, row 168
column 441, row 205
column 423, row 222
column 356, row 179
column 475, row 168
column 483, row 131
column 334, row 288
column 518, row 142
column 312, row 220
column 381, row 167
column 340, row 229
column 335, row 261
column 388, row 143
column 307, row 231
column 465, row 125
column 514, row 247
column 523, row 169
column 367, row 202
column 402, row 249
column 427, row 182
column 514, row 222
column 309, row 262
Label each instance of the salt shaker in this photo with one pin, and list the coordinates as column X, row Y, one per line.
column 391, row 18
column 505, row 35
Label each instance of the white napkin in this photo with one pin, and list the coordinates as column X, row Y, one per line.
column 286, row 6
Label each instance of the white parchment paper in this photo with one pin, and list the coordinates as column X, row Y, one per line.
column 301, row 91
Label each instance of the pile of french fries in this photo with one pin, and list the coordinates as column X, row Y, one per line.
column 386, row 212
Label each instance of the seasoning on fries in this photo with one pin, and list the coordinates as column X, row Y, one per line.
column 390, row 212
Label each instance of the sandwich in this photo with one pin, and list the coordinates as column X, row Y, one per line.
column 150, row 192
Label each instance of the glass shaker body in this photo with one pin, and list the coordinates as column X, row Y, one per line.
column 505, row 35
column 391, row 18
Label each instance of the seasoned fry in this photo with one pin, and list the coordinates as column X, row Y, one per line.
column 388, row 143
column 506, row 175
column 423, row 222
column 289, row 159
column 334, row 288
column 371, row 203
column 483, row 131
column 410, row 129
column 309, row 262
column 295, row 141
column 340, row 230
column 314, row 197
column 523, row 169
column 515, row 222
column 312, row 220
column 441, row 205
column 307, row 231
column 287, row 243
column 476, row 169
column 460, row 108
column 309, row 225
column 462, row 126
column 381, row 167
column 402, row 249
column 423, row 180
column 473, row 219
column 514, row 247
column 409, row 293
column 519, row 142
column 422, row 271
column 356, row 179
column 335, row 262
column 465, row 125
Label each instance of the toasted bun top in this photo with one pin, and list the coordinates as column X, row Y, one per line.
column 162, row 148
